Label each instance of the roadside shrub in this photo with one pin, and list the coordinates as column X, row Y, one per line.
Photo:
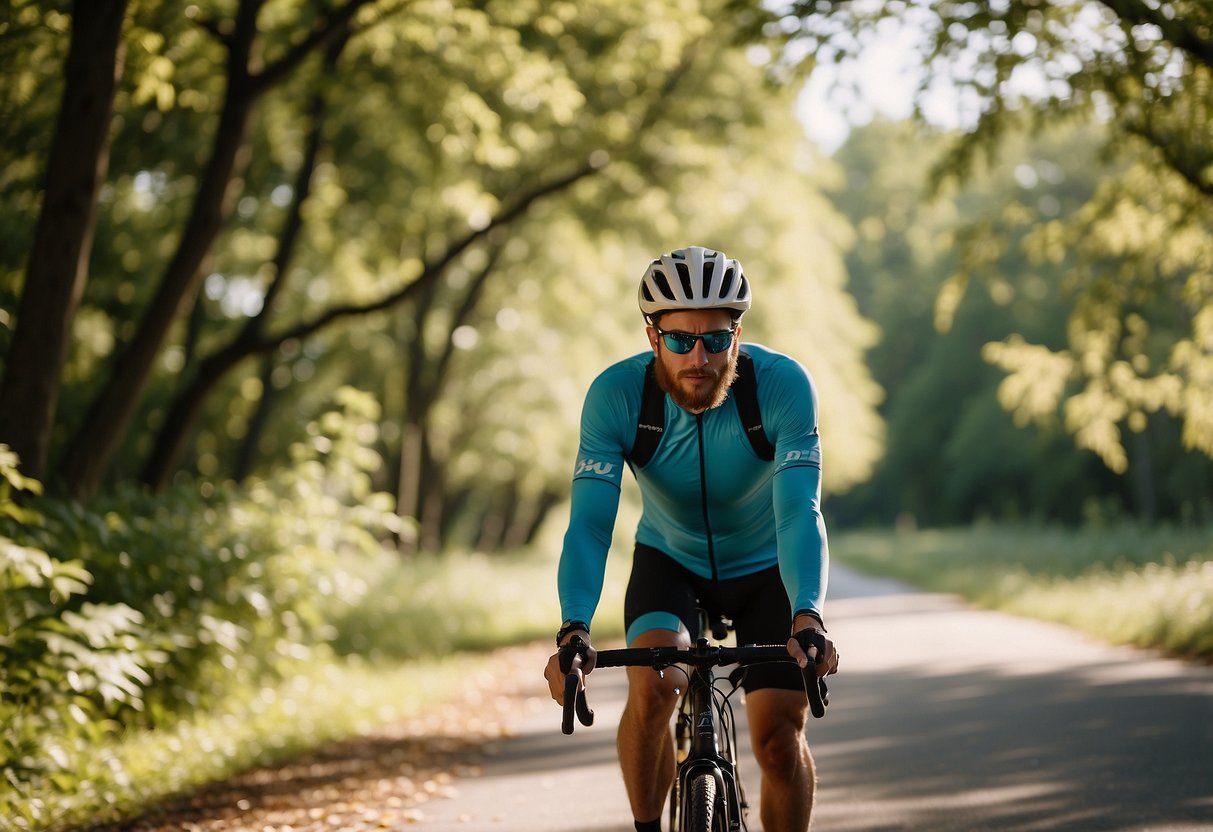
column 67, row 665
column 142, row 608
column 1149, row 587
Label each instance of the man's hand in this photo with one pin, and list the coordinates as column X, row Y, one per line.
column 557, row 665
column 808, row 632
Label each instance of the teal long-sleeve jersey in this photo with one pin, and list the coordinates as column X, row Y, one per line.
column 708, row 500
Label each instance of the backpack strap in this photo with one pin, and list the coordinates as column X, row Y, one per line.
column 745, row 390
column 650, row 424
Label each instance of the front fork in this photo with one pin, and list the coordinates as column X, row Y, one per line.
column 695, row 738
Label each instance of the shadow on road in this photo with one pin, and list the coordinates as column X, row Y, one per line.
column 946, row 718
column 985, row 750
column 943, row 718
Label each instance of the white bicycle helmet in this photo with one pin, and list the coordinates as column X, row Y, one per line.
column 693, row 278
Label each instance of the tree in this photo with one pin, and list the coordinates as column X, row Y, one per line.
column 249, row 76
column 1141, row 333
column 655, row 87
column 57, row 266
column 1143, row 68
column 965, row 441
column 349, row 193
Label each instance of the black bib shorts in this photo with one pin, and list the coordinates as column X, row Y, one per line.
column 757, row 605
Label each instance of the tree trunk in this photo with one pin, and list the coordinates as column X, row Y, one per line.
column 418, row 399
column 110, row 416
column 433, row 504
column 546, row 502
column 422, row 389
column 247, row 453
column 105, row 425
column 503, row 508
column 528, row 515
column 183, row 413
column 63, row 239
column 408, row 487
column 1141, row 468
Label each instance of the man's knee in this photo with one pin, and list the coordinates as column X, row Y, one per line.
column 781, row 751
column 777, row 723
column 651, row 697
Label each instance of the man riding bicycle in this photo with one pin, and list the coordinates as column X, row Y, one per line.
column 722, row 526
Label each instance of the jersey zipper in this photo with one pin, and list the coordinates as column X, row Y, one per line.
column 703, row 497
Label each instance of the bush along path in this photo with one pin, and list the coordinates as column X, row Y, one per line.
column 382, row 780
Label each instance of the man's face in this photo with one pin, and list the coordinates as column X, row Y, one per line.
column 698, row 380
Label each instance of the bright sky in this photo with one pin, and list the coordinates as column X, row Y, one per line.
column 881, row 81
column 839, row 96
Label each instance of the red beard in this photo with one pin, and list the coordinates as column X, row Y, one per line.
column 701, row 397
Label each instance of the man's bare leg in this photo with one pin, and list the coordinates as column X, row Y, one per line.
column 789, row 779
column 646, row 748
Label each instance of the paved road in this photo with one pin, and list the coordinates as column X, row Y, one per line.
column 1010, row 725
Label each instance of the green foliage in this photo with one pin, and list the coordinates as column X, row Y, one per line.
column 1140, row 338
column 1004, row 274
column 1151, row 588
column 1133, row 252
column 181, row 597
column 463, row 601
column 250, row 628
column 255, row 725
column 461, row 110
column 66, row 665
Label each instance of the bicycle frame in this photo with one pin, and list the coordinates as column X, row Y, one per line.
column 705, row 718
column 704, row 713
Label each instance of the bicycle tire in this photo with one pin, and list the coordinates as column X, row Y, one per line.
column 701, row 805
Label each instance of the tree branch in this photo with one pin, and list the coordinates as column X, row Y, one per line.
column 210, row 24
column 335, row 23
column 470, row 301
column 1191, row 170
column 432, row 270
column 1175, row 31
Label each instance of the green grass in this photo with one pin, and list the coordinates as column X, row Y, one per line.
column 329, row 701
column 412, row 636
column 410, row 643
column 1127, row 585
column 431, row 606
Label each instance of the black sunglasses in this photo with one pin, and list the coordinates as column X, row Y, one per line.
column 684, row 342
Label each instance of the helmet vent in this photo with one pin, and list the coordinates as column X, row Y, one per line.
column 663, row 284
column 727, row 283
column 684, row 277
column 708, row 268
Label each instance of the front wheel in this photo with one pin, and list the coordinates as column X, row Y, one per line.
column 699, row 806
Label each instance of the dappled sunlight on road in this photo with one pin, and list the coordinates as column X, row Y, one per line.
column 1004, row 723
column 942, row 718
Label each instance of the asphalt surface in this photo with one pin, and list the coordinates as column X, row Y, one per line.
column 942, row 718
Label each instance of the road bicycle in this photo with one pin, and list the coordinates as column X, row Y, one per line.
column 707, row 793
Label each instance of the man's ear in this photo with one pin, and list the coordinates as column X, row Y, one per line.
column 651, row 331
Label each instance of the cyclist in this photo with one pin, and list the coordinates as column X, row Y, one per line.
column 721, row 527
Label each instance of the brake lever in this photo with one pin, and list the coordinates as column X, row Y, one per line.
column 572, row 658
column 814, row 685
